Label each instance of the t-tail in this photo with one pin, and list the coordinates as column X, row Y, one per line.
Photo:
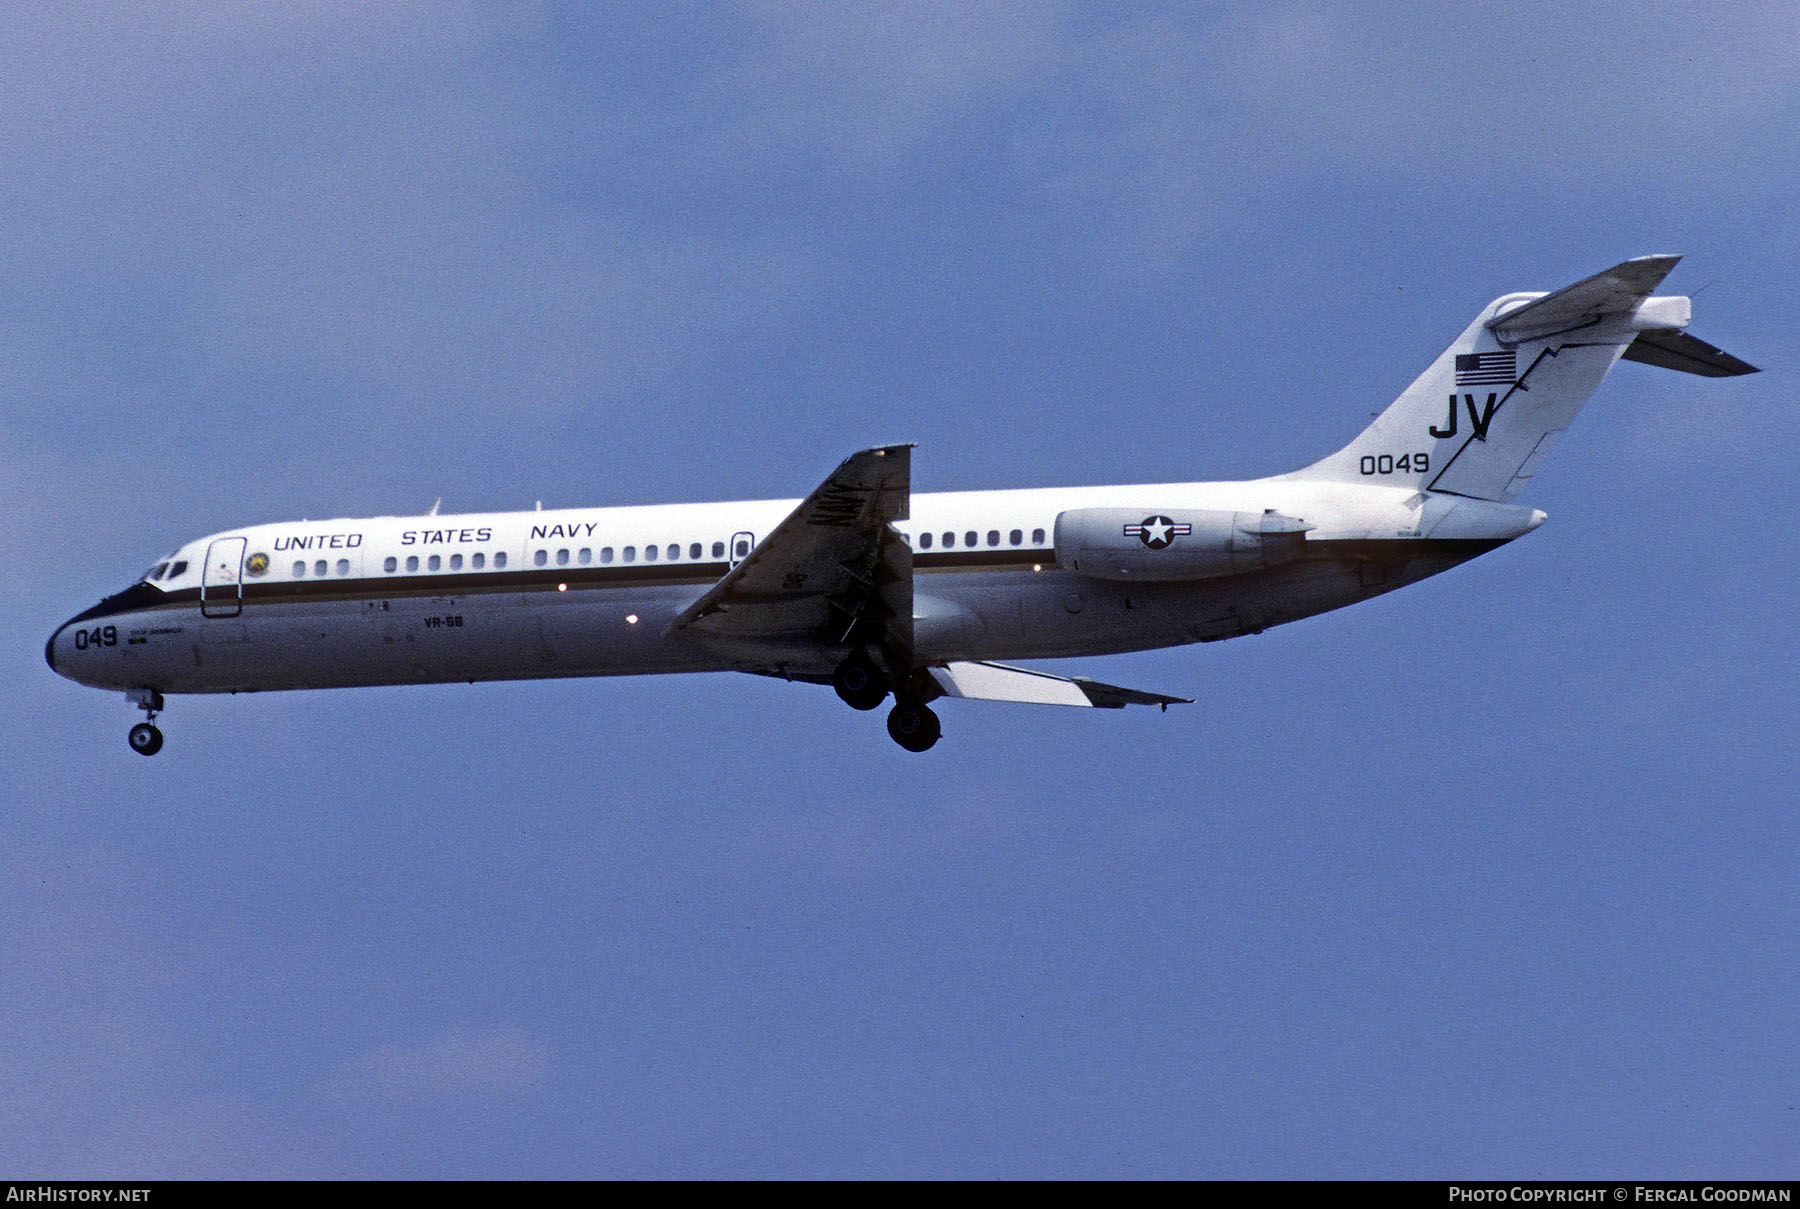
column 1480, row 420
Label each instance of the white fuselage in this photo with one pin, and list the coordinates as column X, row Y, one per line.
column 882, row 592
column 591, row 591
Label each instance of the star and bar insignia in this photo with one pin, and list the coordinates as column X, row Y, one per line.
column 1157, row 531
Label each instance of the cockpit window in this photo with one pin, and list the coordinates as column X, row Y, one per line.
column 156, row 572
column 179, row 567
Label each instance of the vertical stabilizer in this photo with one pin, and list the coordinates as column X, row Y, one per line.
column 1480, row 420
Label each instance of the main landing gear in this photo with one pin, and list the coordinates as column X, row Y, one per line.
column 913, row 725
column 144, row 738
column 863, row 685
column 859, row 682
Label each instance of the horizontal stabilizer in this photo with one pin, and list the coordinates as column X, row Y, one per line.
column 997, row 682
column 1689, row 354
column 1616, row 291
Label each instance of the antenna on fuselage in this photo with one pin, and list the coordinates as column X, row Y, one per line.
column 435, row 504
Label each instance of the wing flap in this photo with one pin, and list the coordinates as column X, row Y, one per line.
column 981, row 681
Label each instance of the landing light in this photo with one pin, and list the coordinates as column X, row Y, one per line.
column 562, row 587
column 631, row 619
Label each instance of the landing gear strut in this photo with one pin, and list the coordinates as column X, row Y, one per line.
column 913, row 725
column 859, row 682
column 145, row 739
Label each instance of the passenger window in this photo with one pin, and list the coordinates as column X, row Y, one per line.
column 718, row 549
column 585, row 556
column 456, row 562
column 343, row 567
column 742, row 547
column 477, row 561
column 949, row 540
column 924, row 541
column 1037, row 537
column 540, row 558
column 412, row 562
column 319, row 567
column 562, row 558
column 969, row 538
column 299, row 570
column 1015, row 537
column 993, row 537
column 649, row 554
column 391, row 564
column 500, row 560
column 694, row 550
column 605, row 554
column 630, row 554
column 435, row 562
column 674, row 552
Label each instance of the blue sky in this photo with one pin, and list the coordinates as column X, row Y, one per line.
column 1491, row 877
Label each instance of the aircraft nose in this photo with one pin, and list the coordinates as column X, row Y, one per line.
column 50, row 648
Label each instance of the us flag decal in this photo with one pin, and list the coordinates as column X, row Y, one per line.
column 1487, row 369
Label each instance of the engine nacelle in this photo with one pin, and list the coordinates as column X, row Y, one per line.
column 1160, row 546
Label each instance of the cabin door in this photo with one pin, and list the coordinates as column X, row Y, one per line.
column 222, row 582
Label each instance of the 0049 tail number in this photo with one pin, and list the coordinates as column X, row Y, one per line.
column 1387, row 463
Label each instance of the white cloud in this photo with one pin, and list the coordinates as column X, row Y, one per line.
column 867, row 85
column 245, row 230
column 97, row 1078
column 1161, row 129
column 460, row 1062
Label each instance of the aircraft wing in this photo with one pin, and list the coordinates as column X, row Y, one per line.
column 998, row 682
column 834, row 573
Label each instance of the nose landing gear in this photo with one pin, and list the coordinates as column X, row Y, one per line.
column 145, row 738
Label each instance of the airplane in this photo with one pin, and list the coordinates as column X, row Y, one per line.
column 882, row 593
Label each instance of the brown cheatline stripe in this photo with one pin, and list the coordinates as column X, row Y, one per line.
column 400, row 585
